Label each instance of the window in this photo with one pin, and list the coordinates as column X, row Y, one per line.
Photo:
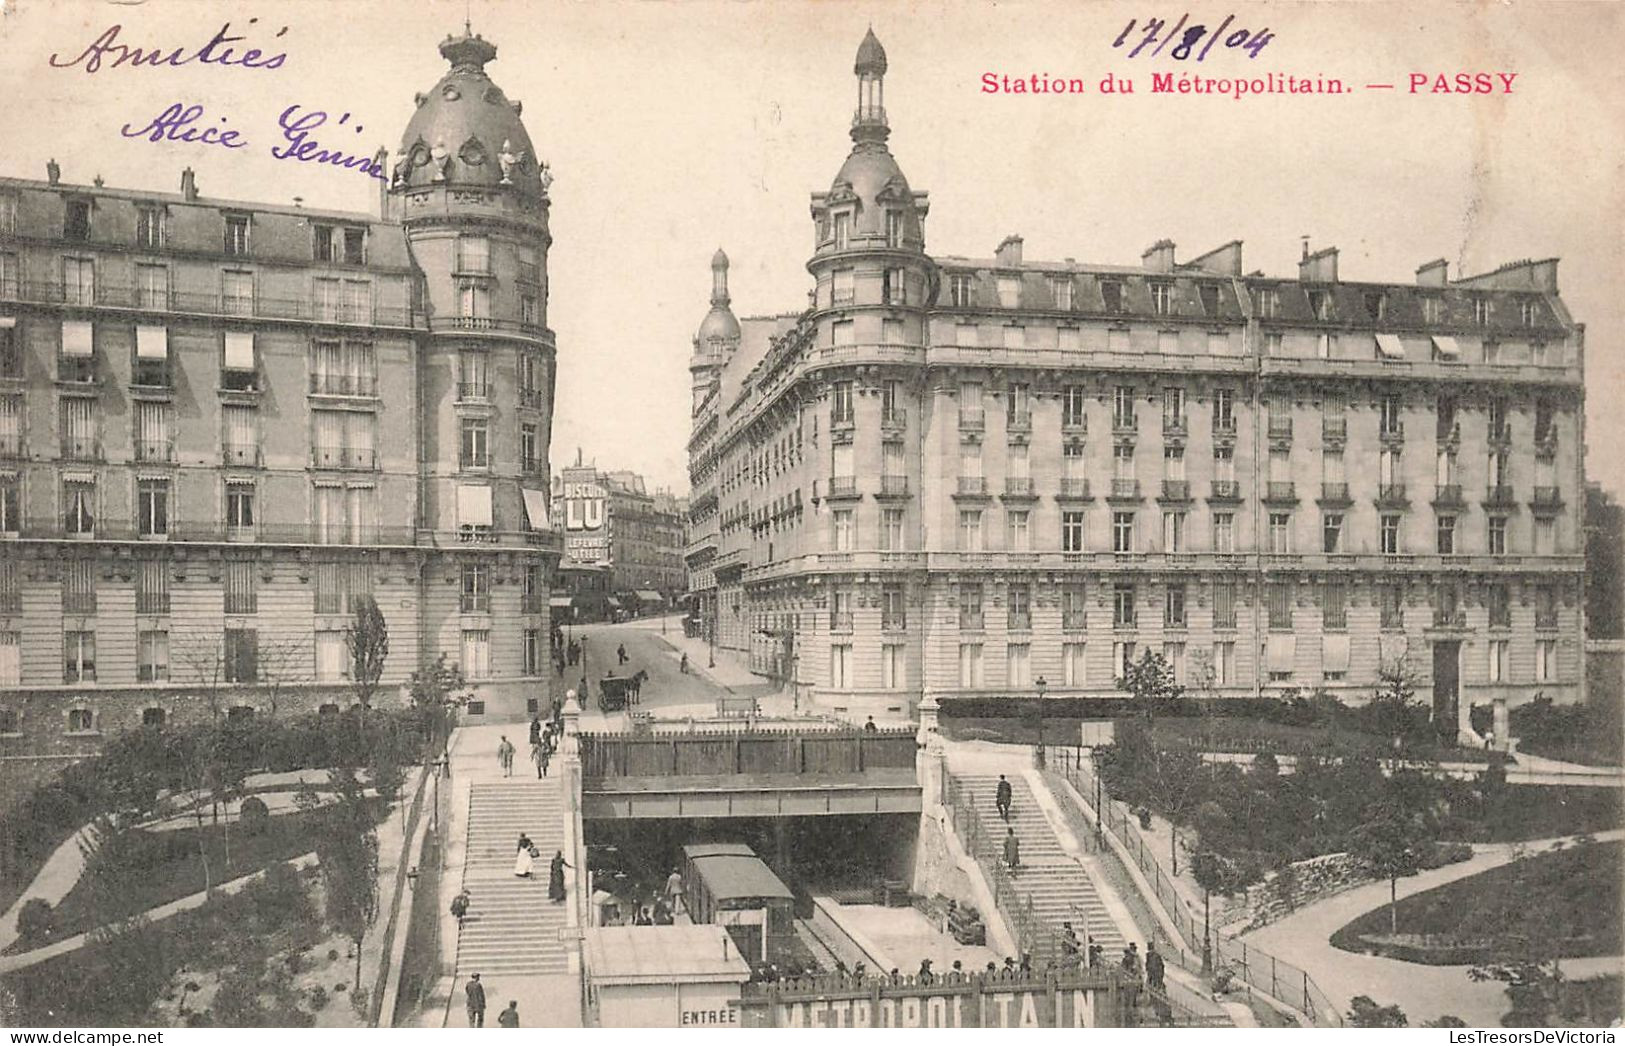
column 1432, row 308
column 79, row 586
column 242, row 588
column 1162, row 297
column 1122, row 532
column 1018, row 664
column 79, row 657
column 1268, row 300
column 1320, row 303
column 76, row 220
column 1073, row 401
column 1545, row 606
column 1009, row 288
column 1072, row 531
column 1073, row 664
column 476, row 589
column 1498, row 535
column 1447, row 535
column 1123, row 464
column 1224, row 418
column 476, row 436
column 1123, row 407
column 1281, row 533
column 970, row 465
column 959, row 287
column 81, row 721
column 1391, row 606
column 1074, row 608
column 1481, row 311
column 840, row 410
column 1224, row 604
column 1072, row 463
column 1173, row 464
column 894, row 228
column 1331, row 532
column 332, row 656
column 152, row 507
column 843, row 287
column 1061, row 288
column 8, row 212
column 1389, row 533
column 355, row 245
column 474, row 302
column 10, row 504
column 970, row 530
column 1224, row 663
column 242, row 655
column 1279, row 597
column 1020, row 608
column 893, row 608
column 1545, row 660
column 236, row 240
column 79, row 281
column 151, row 586
column 1017, row 530
column 971, row 676
column 1498, row 659
column 152, row 657
column 1123, row 604
column 1122, row 657
column 237, row 293
column 474, row 254
column 842, row 523
column 1391, row 422
column 1111, row 295
column 476, row 653
column 79, row 428
column 970, row 402
column 891, row 529
column 1224, row 465
column 1173, row 531
column 970, row 605
column 1173, row 607
column 1224, row 531
column 893, row 670
column 843, row 231
column 1335, row 605
column 1545, row 537
column 79, row 505
column 1499, row 600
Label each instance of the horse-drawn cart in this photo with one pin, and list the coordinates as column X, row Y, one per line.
column 613, row 693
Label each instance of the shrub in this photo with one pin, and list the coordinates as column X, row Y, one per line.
column 1365, row 1013
column 254, row 815
column 34, row 920
column 318, row 998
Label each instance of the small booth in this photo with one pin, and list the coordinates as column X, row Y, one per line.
column 662, row 977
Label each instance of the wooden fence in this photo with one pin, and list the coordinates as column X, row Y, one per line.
column 745, row 752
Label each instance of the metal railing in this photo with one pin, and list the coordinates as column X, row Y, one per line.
column 1334, row 428
column 972, row 485
column 154, row 450
column 1254, row 967
column 343, row 384
column 1075, row 486
column 1226, row 488
column 894, row 484
column 1176, row 489
column 843, row 486
column 135, row 297
column 1125, row 488
column 1334, row 492
column 1280, row 490
column 1018, row 484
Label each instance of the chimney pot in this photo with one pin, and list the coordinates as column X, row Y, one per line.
column 189, row 184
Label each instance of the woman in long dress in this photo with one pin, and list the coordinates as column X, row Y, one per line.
column 522, row 862
column 555, row 878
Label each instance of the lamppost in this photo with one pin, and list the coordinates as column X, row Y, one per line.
column 1040, row 685
column 583, row 667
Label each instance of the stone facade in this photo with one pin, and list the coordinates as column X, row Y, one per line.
column 957, row 475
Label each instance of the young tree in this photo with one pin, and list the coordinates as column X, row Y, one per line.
column 1394, row 711
column 368, row 641
column 1392, row 842
column 349, row 860
column 437, row 692
column 1151, row 682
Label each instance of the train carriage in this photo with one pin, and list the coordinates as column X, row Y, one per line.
column 730, row 886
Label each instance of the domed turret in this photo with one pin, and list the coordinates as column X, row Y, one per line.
column 466, row 131
column 871, row 56
column 719, row 324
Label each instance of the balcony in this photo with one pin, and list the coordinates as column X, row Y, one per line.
column 1545, row 618
column 131, row 297
column 1448, row 494
column 151, row 374
column 1176, row 490
column 971, row 622
column 1175, row 425
column 1074, row 422
column 840, row 621
column 1392, row 431
column 245, row 455
column 1019, row 621
column 1548, row 497
column 343, row 458
column 532, row 603
column 343, row 385
column 82, row 603
column 1125, row 488
column 893, row 486
column 972, row 420
column 471, row 264
column 1019, row 421
column 1498, row 494
column 1226, row 490
column 1280, row 490
column 473, row 391
column 1280, row 428
column 893, row 419
column 11, row 445
column 1546, row 440
column 1456, row 618
column 1447, row 431
column 973, row 486
column 1334, row 428
column 1224, row 426
column 1018, row 486
column 843, row 487
column 1335, row 494
column 893, row 622
column 75, row 448
column 532, row 398
column 1500, row 434
column 1074, row 487
column 1123, row 425
column 474, row 603
column 1391, row 494
column 151, row 603
column 154, row 450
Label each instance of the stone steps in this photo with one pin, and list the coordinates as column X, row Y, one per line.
column 511, row 927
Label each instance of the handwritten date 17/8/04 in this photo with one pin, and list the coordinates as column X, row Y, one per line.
column 1185, row 38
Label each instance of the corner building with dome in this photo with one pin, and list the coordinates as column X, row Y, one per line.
column 223, row 421
column 1001, row 477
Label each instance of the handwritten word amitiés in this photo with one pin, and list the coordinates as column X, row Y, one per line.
column 1189, row 36
column 303, row 148
column 212, row 53
column 174, row 124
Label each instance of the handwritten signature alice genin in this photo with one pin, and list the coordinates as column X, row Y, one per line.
column 180, row 123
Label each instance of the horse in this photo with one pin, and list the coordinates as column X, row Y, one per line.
column 636, row 685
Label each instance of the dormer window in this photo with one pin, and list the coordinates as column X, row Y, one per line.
column 1481, row 311
column 1209, row 293
column 1061, row 287
column 894, row 228
column 76, row 220
column 1009, row 292
column 236, row 238
column 1269, row 302
column 843, row 231
column 149, row 227
column 1162, row 298
column 1111, row 294
column 1376, row 305
column 1320, row 304
column 1432, row 308
column 1528, row 312
column 959, row 289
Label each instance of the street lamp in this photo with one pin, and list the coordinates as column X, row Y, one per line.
column 1040, row 685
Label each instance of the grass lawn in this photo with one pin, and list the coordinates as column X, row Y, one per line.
column 164, row 866
column 1585, row 916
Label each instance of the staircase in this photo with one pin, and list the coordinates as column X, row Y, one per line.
column 511, row 927
column 1057, row 887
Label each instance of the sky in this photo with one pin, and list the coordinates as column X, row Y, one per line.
column 676, row 128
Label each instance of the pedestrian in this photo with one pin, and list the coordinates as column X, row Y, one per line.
column 1012, row 850
column 682, row 665
column 505, row 756
column 524, row 859
column 925, row 975
column 476, row 1001
column 442, row 765
column 674, row 891
column 535, row 728
column 620, row 653
column 555, row 878
column 1097, row 955
column 459, row 907
column 524, row 842
column 1026, row 967
column 1153, row 966
column 870, row 727
column 1131, row 960
column 1001, row 798
column 662, row 914
column 540, row 755
column 1069, row 945
column 509, row 1018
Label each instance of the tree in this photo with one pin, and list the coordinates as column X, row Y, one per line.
column 1392, row 842
column 1151, row 682
column 1393, row 711
column 349, row 860
column 368, row 641
column 437, row 692
column 1365, row 1013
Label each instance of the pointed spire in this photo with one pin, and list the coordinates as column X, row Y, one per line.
column 869, row 122
column 719, row 279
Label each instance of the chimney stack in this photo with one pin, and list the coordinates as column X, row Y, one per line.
column 1159, row 257
column 189, row 184
column 53, row 173
column 1009, row 253
column 1435, row 273
column 1319, row 267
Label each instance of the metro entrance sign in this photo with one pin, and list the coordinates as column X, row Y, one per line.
column 1100, row 1000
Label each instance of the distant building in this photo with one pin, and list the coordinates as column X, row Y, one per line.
column 610, row 521
column 1605, row 600
column 222, row 421
column 961, row 476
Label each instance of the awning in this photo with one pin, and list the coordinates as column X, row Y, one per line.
column 77, row 339
column 612, row 601
column 1334, row 655
column 473, row 506
column 152, row 343
column 1447, row 346
column 1390, row 347
column 1281, row 651
column 650, row 597
column 559, row 601
column 239, row 350
column 536, row 508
